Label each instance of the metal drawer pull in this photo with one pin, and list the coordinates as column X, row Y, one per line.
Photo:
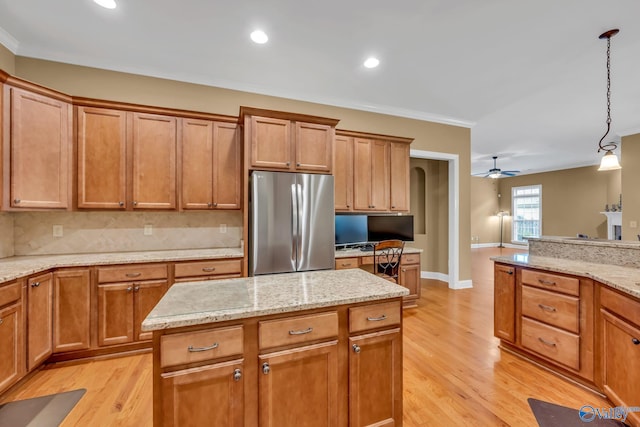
column 356, row 348
column 130, row 288
column 635, row 341
column 305, row 331
column 545, row 342
column 193, row 349
column 377, row 319
column 133, row 274
column 547, row 282
column 1, row 320
column 208, row 269
column 35, row 284
column 346, row 264
column 237, row 374
column 547, row 307
column 265, row 368
column 509, row 271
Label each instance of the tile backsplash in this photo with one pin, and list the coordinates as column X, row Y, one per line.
column 86, row 232
column 6, row 235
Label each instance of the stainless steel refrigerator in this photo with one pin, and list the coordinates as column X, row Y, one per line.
column 291, row 223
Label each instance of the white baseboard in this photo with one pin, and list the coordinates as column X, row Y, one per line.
column 495, row 245
column 463, row 284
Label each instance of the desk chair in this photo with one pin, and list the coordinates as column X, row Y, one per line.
column 386, row 259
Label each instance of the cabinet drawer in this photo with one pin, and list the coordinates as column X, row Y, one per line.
column 344, row 263
column 410, row 259
column 295, row 330
column 553, row 282
column 209, row 268
column 366, row 260
column 9, row 293
column 374, row 316
column 190, row 347
column 131, row 273
column 621, row 305
column 552, row 343
column 551, row 308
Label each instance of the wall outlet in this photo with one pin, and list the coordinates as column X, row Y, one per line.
column 57, row 231
column 633, row 224
column 148, row 229
column 223, row 228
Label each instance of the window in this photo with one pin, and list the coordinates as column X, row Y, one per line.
column 526, row 206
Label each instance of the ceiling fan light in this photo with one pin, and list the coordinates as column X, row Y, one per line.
column 609, row 162
column 494, row 175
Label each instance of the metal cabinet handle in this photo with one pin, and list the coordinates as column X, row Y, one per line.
column 545, row 342
column 35, row 284
column 346, row 264
column 547, row 307
column 510, row 272
column 1, row 320
column 404, row 270
column 130, row 288
column 16, row 201
column 265, row 368
column 298, row 164
column 304, row 331
column 215, row 205
column 121, row 204
column 288, row 163
column 135, row 203
column 209, row 204
column 547, row 282
column 377, row 319
column 133, row 274
column 237, row 374
column 356, row 348
column 136, row 288
column 393, row 207
column 208, row 269
column 193, row 349
column 635, row 341
column 348, row 206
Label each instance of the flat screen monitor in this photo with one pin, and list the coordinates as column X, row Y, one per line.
column 389, row 227
column 351, row 229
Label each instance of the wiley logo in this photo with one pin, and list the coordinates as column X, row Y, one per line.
column 588, row 413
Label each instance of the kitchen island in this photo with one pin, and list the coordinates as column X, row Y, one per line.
column 313, row 348
column 573, row 306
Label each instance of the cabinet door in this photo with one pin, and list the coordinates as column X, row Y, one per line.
column 621, row 362
column 227, row 171
column 343, row 173
column 115, row 313
column 362, row 174
column 375, row 379
column 154, row 161
column 102, row 154
column 39, row 319
column 504, row 302
column 410, row 279
column 71, row 310
column 271, row 144
column 11, row 345
column 299, row 387
column 197, row 164
column 147, row 295
column 313, row 147
column 380, row 179
column 40, row 151
column 211, row 395
column 399, row 169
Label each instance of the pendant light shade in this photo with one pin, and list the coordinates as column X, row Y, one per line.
column 609, row 160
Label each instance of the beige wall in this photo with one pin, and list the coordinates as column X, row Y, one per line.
column 7, row 60
column 484, row 206
column 629, row 160
column 95, row 83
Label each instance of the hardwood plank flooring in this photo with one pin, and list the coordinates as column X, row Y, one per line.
column 454, row 372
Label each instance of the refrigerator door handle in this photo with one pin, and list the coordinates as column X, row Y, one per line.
column 294, row 223
column 300, row 229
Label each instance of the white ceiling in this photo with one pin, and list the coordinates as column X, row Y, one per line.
column 528, row 77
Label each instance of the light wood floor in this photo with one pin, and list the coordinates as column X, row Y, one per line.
column 454, row 372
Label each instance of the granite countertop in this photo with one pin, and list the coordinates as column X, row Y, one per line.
column 349, row 253
column 195, row 303
column 605, row 243
column 19, row 266
column 625, row 279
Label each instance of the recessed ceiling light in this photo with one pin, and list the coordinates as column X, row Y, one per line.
column 107, row 4
column 372, row 62
column 259, row 37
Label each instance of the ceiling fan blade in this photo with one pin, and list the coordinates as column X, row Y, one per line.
column 509, row 173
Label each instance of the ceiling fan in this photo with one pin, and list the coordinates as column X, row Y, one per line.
column 496, row 172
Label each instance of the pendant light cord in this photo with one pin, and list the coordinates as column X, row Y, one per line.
column 611, row 145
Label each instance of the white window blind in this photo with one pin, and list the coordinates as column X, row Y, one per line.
column 526, row 208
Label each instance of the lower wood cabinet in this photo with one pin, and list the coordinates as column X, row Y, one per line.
column 504, row 302
column 409, row 277
column 12, row 361
column 39, row 319
column 71, row 310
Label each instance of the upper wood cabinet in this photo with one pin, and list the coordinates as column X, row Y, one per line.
column 126, row 160
column 288, row 142
column 371, row 172
column 37, row 150
column 211, row 165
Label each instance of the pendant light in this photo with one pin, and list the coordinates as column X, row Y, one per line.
column 609, row 160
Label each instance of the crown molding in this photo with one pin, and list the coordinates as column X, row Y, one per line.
column 8, row 41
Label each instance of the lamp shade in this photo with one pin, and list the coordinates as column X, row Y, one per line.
column 609, row 162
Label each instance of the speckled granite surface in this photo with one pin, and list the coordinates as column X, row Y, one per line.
column 20, row 266
column 196, row 303
column 625, row 279
column 602, row 251
column 349, row 253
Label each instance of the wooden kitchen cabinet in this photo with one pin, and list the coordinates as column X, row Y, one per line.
column 39, row 319
column 12, row 361
column 71, row 310
column 371, row 175
column 409, row 277
column 211, row 165
column 504, row 302
column 197, row 271
column 38, row 150
column 145, row 296
column 288, row 142
column 343, row 173
column 399, row 175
